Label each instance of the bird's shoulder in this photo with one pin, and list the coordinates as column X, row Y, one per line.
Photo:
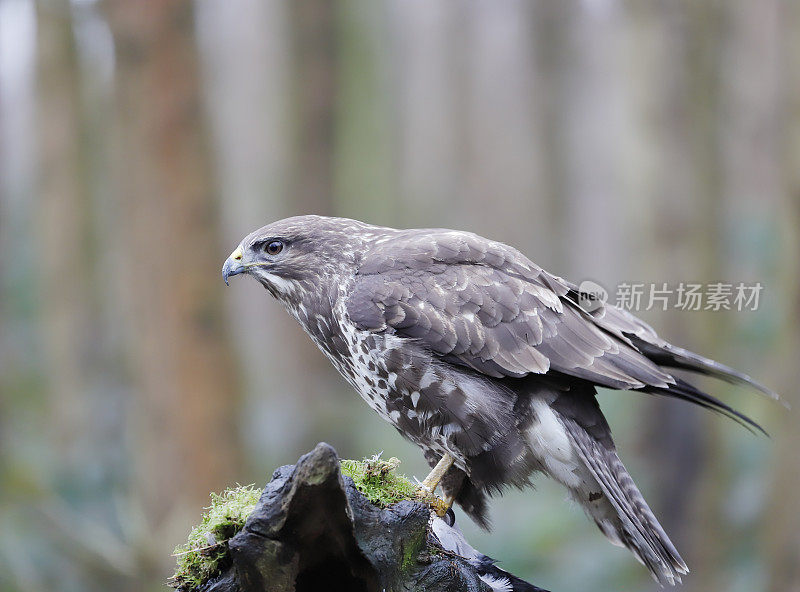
column 479, row 301
column 432, row 250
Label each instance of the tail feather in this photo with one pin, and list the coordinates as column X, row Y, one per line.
column 635, row 526
column 687, row 392
column 671, row 356
column 625, row 326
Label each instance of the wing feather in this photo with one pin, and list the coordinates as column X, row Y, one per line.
column 484, row 305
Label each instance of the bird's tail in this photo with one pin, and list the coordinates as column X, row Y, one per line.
column 671, row 356
column 620, row 510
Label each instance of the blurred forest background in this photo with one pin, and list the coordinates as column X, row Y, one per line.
column 614, row 140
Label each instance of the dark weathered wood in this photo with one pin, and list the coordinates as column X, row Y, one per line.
column 313, row 530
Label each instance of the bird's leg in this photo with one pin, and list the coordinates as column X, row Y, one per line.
column 429, row 484
column 432, row 480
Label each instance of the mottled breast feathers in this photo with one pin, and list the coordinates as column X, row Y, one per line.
column 484, row 305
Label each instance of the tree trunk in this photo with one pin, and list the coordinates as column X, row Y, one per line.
column 184, row 407
column 63, row 227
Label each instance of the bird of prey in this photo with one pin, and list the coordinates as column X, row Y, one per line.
column 483, row 359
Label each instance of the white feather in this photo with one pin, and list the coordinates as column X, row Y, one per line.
column 497, row 584
column 550, row 443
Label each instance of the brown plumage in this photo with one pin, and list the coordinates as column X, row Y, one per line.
column 469, row 348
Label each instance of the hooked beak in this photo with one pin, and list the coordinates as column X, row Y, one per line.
column 234, row 265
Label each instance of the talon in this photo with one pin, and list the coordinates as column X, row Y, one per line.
column 441, row 506
column 436, row 503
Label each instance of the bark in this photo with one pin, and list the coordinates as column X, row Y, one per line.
column 313, row 530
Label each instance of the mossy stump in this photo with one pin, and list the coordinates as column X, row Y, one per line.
column 312, row 529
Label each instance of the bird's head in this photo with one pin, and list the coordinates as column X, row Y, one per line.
column 297, row 254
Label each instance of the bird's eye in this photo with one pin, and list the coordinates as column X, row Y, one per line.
column 274, row 247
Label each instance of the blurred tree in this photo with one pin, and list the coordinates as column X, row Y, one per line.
column 316, row 69
column 683, row 224
column 781, row 535
column 186, row 388
column 63, row 217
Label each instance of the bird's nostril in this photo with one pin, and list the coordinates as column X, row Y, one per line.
column 238, row 257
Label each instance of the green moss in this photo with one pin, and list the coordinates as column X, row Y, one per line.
column 412, row 549
column 205, row 553
column 377, row 480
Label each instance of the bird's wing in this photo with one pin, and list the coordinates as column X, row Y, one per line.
column 486, row 306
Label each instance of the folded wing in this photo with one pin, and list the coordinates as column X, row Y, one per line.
column 484, row 305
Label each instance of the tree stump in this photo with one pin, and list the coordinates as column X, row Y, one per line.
column 313, row 530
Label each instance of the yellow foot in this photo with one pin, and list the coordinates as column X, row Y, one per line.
column 431, row 482
column 436, row 503
column 440, row 506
